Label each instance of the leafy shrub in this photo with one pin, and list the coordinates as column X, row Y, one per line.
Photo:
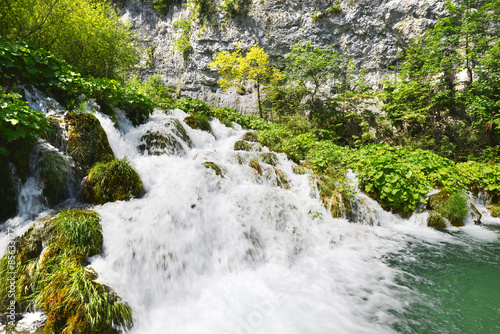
column 193, row 106
column 113, row 181
column 182, row 44
column 400, row 177
column 18, row 121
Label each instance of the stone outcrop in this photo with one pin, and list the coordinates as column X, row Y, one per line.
column 372, row 32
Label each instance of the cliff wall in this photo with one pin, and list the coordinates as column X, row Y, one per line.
column 371, row 32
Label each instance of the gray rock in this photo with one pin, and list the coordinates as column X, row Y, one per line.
column 371, row 32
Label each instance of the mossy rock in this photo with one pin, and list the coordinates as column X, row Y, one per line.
column 273, row 173
column 438, row 200
column 475, row 214
column 494, row 210
column 299, row 170
column 334, row 204
column 214, row 167
column 113, row 181
column 55, row 171
column 66, row 291
column 87, row 141
column 436, row 220
column 198, row 121
column 451, row 206
column 251, row 136
column 167, row 140
column 255, row 165
column 242, row 145
column 269, row 158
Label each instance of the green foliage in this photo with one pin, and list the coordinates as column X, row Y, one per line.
column 233, row 8
column 455, row 208
column 112, row 181
column 430, row 98
column 163, row 6
column 87, row 34
column 24, row 63
column 183, row 44
column 477, row 176
column 400, row 177
column 237, row 70
column 198, row 121
column 155, row 89
column 193, row 106
column 335, row 9
column 18, row 121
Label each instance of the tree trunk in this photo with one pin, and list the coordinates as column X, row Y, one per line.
column 258, row 100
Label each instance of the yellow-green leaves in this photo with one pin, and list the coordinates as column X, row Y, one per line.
column 237, row 70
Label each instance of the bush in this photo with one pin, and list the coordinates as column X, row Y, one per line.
column 87, row 34
column 113, row 181
column 193, row 106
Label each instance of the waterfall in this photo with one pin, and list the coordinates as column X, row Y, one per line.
column 201, row 253
column 216, row 246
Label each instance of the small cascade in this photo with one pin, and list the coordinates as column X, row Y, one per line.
column 51, row 179
column 40, row 102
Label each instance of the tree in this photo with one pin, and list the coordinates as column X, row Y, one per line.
column 88, row 34
column 238, row 70
column 310, row 68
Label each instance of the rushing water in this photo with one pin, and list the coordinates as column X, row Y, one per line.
column 201, row 253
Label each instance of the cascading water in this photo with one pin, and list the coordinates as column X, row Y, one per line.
column 242, row 251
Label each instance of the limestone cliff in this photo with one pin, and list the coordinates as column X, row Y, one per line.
column 371, row 32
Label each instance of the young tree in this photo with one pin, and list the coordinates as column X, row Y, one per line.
column 237, row 70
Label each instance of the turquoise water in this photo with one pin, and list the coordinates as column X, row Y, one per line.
column 453, row 286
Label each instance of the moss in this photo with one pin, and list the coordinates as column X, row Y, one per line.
column 255, row 165
column 269, row 158
column 242, row 145
column 494, row 210
column 87, row 141
column 54, row 279
column 300, row 170
column 280, row 177
column 436, row 220
column 214, row 167
column 451, row 206
column 113, row 181
column 251, row 136
column 334, row 204
column 198, row 121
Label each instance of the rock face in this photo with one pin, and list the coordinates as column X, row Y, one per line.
column 371, row 32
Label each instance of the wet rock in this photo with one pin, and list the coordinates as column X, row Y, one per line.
column 436, row 220
column 255, row 165
column 251, row 136
column 475, row 214
column 242, row 145
column 87, row 141
column 268, row 158
column 214, row 167
column 167, row 139
column 199, row 121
